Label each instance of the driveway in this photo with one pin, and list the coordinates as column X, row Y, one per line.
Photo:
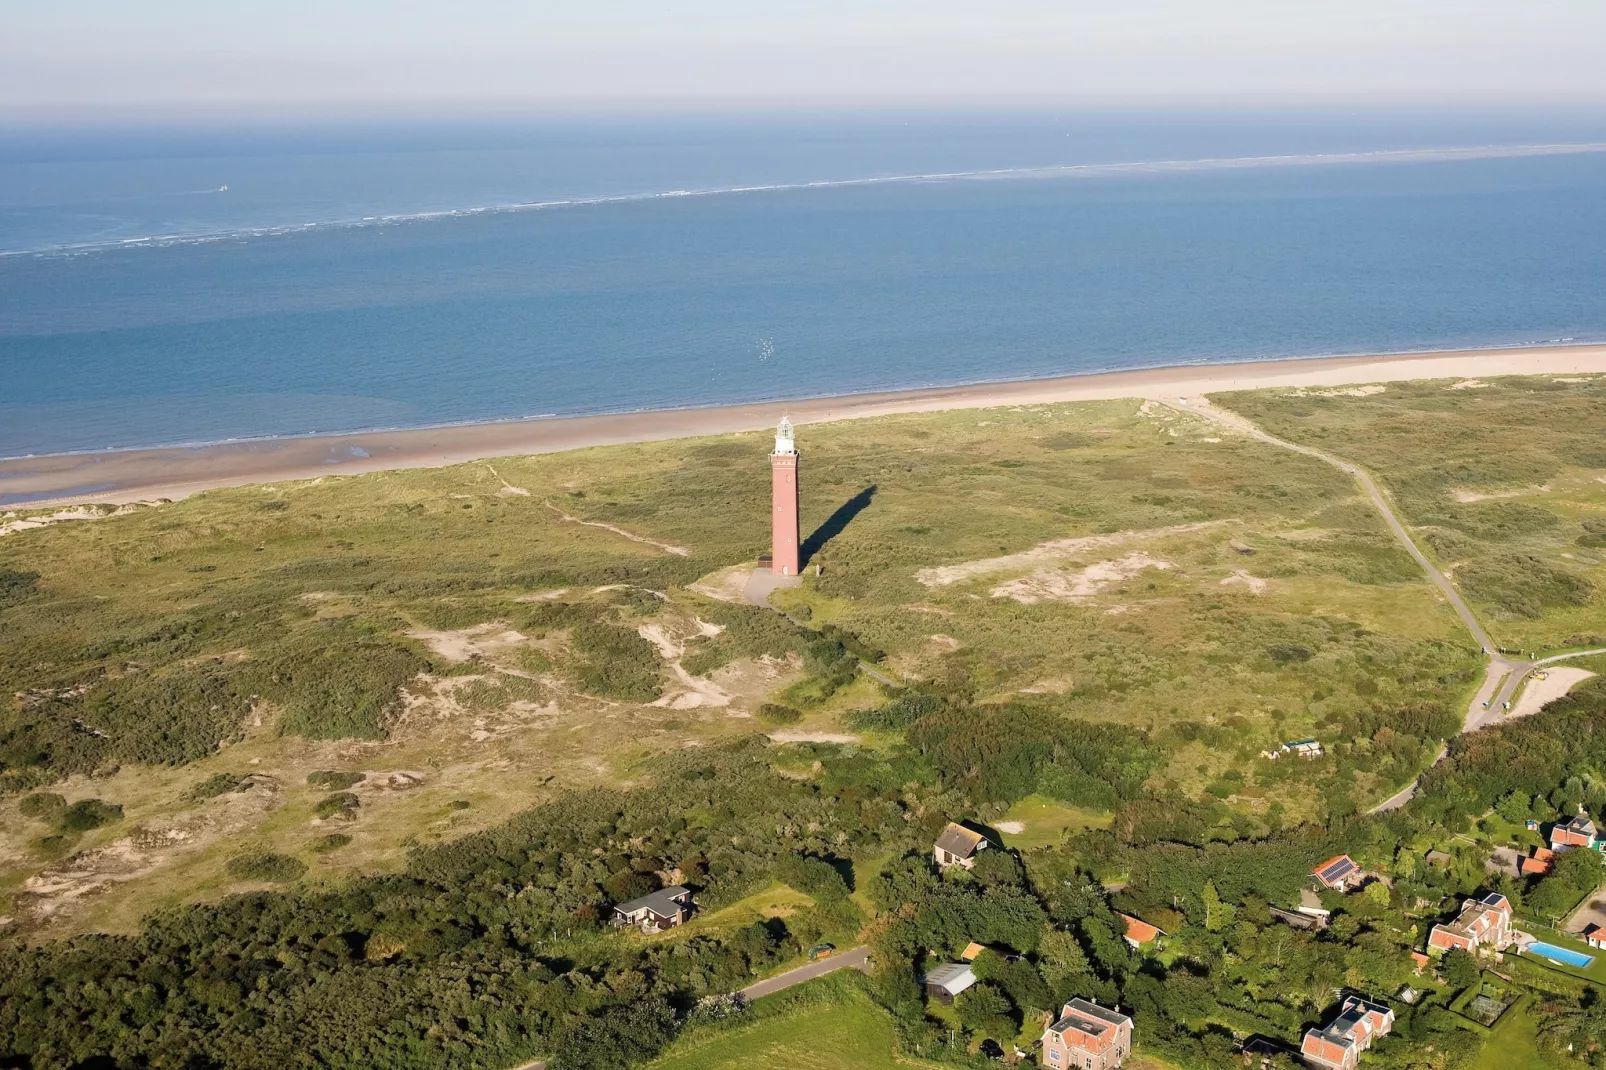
column 856, row 958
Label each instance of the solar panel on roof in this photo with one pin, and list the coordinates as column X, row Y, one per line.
column 1341, row 868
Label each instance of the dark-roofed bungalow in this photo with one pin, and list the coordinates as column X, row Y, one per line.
column 958, row 846
column 663, row 909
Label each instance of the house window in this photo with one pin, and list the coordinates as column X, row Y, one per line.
column 1053, row 1056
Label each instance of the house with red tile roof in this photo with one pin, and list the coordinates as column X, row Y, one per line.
column 1537, row 864
column 1595, row 936
column 1483, row 924
column 1087, row 1037
column 1139, row 932
column 1339, row 1044
column 1339, row 873
column 1577, row 832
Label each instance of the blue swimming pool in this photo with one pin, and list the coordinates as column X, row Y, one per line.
column 1561, row 954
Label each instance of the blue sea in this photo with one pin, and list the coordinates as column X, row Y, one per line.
column 409, row 273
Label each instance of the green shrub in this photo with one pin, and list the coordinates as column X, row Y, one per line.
column 333, row 779
column 900, row 713
column 89, row 814
column 265, row 866
column 16, row 586
column 343, row 804
column 215, row 785
column 775, row 713
column 332, row 842
column 44, row 805
column 342, row 690
column 616, row 663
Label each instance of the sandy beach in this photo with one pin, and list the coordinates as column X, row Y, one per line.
column 119, row 477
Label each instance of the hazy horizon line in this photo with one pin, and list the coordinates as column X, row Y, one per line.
column 334, row 112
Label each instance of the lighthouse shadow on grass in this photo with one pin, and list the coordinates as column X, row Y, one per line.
column 836, row 523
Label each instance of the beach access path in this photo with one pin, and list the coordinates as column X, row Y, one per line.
column 135, row 475
column 1504, row 673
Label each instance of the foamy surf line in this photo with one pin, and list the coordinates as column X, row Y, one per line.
column 1089, row 170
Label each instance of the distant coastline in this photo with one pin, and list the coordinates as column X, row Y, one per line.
column 122, row 476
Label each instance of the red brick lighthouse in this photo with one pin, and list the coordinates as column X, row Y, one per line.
column 783, row 503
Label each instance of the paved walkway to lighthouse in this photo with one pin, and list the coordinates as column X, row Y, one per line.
column 762, row 583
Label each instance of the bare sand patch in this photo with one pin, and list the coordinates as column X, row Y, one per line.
column 1464, row 496
column 943, row 642
column 799, row 736
column 1469, row 384
column 1054, row 549
column 1255, row 584
column 725, row 585
column 13, row 523
column 1366, row 391
column 466, row 644
column 1557, row 682
column 544, row 596
column 1077, row 585
column 1013, row 828
column 62, row 890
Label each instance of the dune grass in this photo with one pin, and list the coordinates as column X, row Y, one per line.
column 462, row 637
column 1503, row 481
column 1047, row 822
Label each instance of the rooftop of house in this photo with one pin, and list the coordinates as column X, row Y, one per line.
column 1348, row 1024
column 972, row 949
column 1088, row 1017
column 952, row 977
column 1140, row 931
column 1580, row 824
column 959, row 841
column 1335, row 870
column 665, row 902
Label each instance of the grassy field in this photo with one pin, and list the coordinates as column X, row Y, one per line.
column 836, row 1028
column 1045, row 822
column 474, row 639
column 1514, row 1046
column 1504, row 481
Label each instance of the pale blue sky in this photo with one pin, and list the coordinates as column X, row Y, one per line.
column 296, row 54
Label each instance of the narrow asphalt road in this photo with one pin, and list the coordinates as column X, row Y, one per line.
column 1504, row 675
column 855, row 958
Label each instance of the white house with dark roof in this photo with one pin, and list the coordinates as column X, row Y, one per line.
column 1087, row 1037
column 663, row 909
column 958, row 846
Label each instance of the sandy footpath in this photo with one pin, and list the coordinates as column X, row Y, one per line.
column 137, row 475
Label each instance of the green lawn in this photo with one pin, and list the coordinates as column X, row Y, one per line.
column 1514, row 1046
column 1045, row 822
column 847, row 1033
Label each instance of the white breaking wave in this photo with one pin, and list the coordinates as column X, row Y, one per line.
column 1085, row 170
